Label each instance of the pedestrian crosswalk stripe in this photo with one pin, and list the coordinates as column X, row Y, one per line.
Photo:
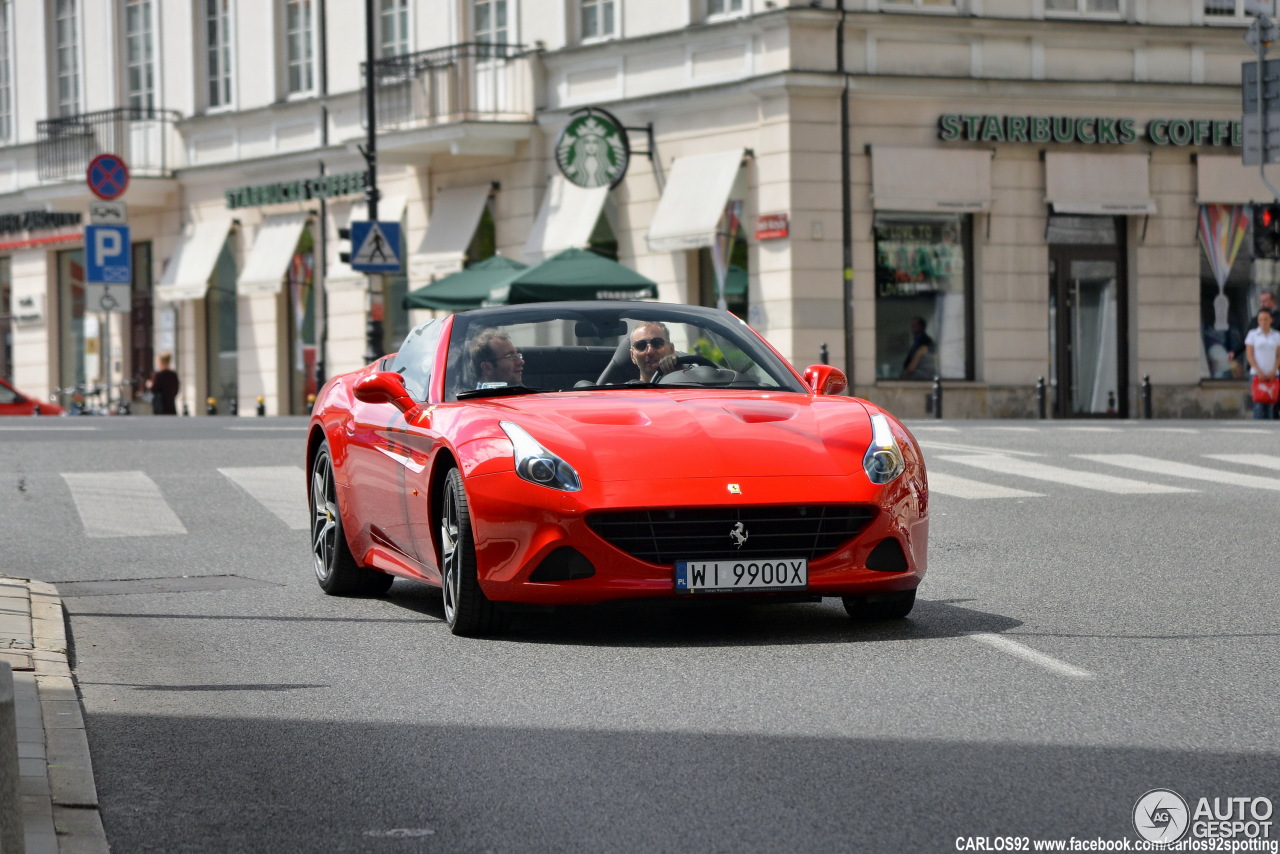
column 1260, row 461
column 962, row 487
column 1157, row 466
column 121, row 504
column 1041, row 471
column 280, row 489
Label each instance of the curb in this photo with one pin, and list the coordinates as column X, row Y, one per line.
column 60, row 813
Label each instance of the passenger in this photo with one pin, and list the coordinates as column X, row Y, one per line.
column 495, row 360
column 652, row 350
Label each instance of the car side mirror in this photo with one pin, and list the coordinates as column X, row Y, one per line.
column 384, row 387
column 825, row 379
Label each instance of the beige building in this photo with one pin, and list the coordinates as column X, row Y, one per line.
column 1031, row 188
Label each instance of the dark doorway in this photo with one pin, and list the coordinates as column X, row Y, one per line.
column 1088, row 317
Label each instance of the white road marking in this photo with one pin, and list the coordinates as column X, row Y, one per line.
column 1241, row 430
column 1017, row 429
column 1261, row 461
column 1170, row 429
column 121, row 504
column 280, row 489
column 264, row 427
column 1048, row 662
column 941, row 427
column 1040, row 471
column 1091, row 429
column 962, row 487
column 1158, row 466
column 973, row 449
column 43, row 427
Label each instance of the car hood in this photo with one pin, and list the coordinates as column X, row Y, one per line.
column 611, row 436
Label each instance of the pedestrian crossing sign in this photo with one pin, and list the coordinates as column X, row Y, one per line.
column 376, row 247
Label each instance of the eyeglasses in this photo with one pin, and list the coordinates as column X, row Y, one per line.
column 513, row 355
column 645, row 343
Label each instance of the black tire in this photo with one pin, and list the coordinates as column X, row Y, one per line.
column 467, row 611
column 880, row 606
column 336, row 568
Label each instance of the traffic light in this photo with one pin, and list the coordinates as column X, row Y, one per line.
column 1266, row 231
column 345, row 255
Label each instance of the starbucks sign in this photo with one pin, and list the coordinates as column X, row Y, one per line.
column 593, row 150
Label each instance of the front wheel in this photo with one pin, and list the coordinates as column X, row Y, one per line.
column 336, row 568
column 467, row 611
column 881, row 606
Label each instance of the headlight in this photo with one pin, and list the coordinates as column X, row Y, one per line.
column 536, row 464
column 883, row 460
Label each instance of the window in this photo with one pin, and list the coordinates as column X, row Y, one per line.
column 597, row 19
column 6, row 78
column 139, row 55
column 1237, row 10
column 66, row 49
column 217, row 29
column 921, row 4
column 491, row 22
column 1231, row 284
column 6, row 322
column 723, row 7
column 393, row 27
column 924, row 304
column 1083, row 7
column 299, row 30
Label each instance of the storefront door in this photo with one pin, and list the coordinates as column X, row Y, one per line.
column 1088, row 307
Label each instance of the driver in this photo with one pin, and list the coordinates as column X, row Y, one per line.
column 495, row 359
column 652, row 350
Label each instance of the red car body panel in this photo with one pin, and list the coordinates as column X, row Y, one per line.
column 14, row 402
column 778, row 448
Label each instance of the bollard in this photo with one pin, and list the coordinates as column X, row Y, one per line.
column 1146, row 397
column 937, row 397
column 1111, row 402
column 824, row 355
column 12, row 831
column 211, row 406
column 262, row 406
column 1040, row 399
column 234, row 407
column 186, row 410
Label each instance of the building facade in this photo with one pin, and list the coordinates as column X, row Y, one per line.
column 1034, row 189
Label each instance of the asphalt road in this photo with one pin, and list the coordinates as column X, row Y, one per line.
column 1096, row 626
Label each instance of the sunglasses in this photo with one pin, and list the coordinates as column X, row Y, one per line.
column 645, row 343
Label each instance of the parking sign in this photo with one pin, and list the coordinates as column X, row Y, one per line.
column 108, row 268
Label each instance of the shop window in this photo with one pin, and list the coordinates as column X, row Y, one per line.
column 1237, row 10
column 924, row 296
column 141, row 327
column 221, row 338
column 1231, row 280
column 6, row 320
column 920, row 4
column 72, row 338
column 1110, row 8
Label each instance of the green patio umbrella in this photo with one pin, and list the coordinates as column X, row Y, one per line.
column 466, row 288
column 574, row 274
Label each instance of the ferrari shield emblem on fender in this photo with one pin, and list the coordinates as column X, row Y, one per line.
column 734, row 489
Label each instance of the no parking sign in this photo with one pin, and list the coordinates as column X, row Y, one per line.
column 108, row 176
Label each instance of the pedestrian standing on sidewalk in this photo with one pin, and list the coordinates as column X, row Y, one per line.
column 1262, row 349
column 163, row 386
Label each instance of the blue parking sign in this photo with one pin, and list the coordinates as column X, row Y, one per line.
column 108, row 259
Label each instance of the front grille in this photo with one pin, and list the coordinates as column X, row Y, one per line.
column 666, row 536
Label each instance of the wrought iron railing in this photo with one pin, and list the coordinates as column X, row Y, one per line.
column 144, row 138
column 474, row 81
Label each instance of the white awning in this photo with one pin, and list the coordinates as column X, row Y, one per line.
column 693, row 200
column 390, row 209
column 452, row 225
column 930, row 179
column 272, row 252
column 1103, row 184
column 568, row 215
column 1225, row 181
column 187, row 274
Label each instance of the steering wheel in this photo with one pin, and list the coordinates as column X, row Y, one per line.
column 699, row 371
column 689, row 359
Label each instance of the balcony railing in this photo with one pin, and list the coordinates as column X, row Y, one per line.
column 463, row 82
column 143, row 137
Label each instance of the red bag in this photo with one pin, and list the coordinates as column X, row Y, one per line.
column 1266, row 391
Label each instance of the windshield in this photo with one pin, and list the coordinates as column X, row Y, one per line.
column 600, row 346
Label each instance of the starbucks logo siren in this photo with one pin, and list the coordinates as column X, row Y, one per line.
column 593, row 150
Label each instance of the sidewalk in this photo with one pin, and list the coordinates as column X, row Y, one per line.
column 59, row 800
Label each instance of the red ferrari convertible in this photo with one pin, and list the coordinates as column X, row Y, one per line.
column 577, row 452
column 14, row 402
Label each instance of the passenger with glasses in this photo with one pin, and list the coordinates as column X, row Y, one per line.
column 494, row 360
column 652, row 350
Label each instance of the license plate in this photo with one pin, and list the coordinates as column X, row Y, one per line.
column 707, row 576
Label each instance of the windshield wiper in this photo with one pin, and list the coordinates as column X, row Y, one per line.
column 500, row 391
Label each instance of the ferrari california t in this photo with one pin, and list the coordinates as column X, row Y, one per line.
column 578, row 452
